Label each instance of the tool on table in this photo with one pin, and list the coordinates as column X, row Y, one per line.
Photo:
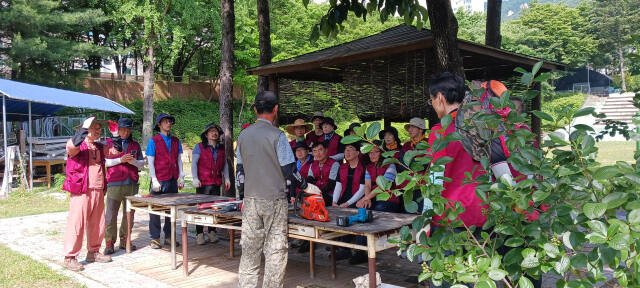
column 220, row 205
column 311, row 207
column 363, row 216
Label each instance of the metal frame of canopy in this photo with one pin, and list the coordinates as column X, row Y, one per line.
column 116, row 107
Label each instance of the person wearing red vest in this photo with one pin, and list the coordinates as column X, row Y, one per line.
column 374, row 169
column 164, row 153
column 323, row 171
column 416, row 128
column 303, row 164
column 350, row 185
column 86, row 182
column 391, row 142
column 298, row 129
column 209, row 170
column 335, row 149
column 316, row 135
column 122, row 181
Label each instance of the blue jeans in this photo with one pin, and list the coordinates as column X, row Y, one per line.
column 166, row 187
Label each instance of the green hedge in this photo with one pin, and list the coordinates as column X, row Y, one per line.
column 191, row 117
column 554, row 106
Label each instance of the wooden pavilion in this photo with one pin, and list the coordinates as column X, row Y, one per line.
column 383, row 76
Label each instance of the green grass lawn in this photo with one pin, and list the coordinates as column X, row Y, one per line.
column 611, row 152
column 18, row 270
column 23, row 203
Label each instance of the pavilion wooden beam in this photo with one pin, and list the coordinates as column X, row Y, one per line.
column 342, row 60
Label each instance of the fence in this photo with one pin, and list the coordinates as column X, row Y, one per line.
column 131, row 89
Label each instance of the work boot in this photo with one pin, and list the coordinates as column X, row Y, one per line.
column 123, row 245
column 155, row 244
column 212, row 237
column 72, row 264
column 167, row 241
column 200, row 239
column 97, row 257
column 358, row 258
column 108, row 250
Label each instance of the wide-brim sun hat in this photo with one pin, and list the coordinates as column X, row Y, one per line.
column 417, row 122
column 291, row 128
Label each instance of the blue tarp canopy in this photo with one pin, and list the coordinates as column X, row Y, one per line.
column 46, row 101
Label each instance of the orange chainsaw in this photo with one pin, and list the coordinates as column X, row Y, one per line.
column 311, row 207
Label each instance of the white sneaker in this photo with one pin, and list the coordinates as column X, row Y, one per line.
column 212, row 237
column 200, row 239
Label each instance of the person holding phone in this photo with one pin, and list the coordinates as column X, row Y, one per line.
column 122, row 181
column 210, row 170
column 164, row 154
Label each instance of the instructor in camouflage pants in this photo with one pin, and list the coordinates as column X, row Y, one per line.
column 265, row 162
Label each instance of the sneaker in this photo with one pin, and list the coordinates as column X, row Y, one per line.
column 155, row 244
column 123, row 245
column 358, row 258
column 72, row 264
column 168, row 242
column 97, row 257
column 200, row 239
column 109, row 248
column 212, row 237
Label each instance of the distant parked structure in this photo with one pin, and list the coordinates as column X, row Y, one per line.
column 586, row 81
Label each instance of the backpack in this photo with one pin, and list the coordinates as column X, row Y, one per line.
column 476, row 135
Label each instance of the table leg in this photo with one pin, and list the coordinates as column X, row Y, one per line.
column 333, row 262
column 232, row 242
column 372, row 260
column 185, row 249
column 129, row 224
column 48, row 166
column 312, row 261
column 173, row 237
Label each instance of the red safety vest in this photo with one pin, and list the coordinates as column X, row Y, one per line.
column 77, row 180
column 123, row 171
column 321, row 174
column 455, row 189
column 166, row 163
column 313, row 138
column 355, row 183
column 210, row 170
column 333, row 145
column 374, row 172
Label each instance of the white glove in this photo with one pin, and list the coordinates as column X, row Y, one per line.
column 312, row 189
column 155, row 185
column 180, row 182
column 87, row 122
column 196, row 182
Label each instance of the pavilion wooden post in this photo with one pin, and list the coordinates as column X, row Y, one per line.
column 536, row 104
column 273, row 87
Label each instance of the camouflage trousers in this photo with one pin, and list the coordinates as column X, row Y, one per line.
column 264, row 231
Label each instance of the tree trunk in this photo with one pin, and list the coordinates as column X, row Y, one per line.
column 226, row 85
column 621, row 56
column 116, row 61
column 444, row 28
column 264, row 29
column 492, row 35
column 147, row 108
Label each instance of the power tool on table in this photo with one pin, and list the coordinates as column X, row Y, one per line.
column 226, row 205
column 311, row 207
column 363, row 216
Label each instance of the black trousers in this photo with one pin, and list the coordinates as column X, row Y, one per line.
column 207, row 190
